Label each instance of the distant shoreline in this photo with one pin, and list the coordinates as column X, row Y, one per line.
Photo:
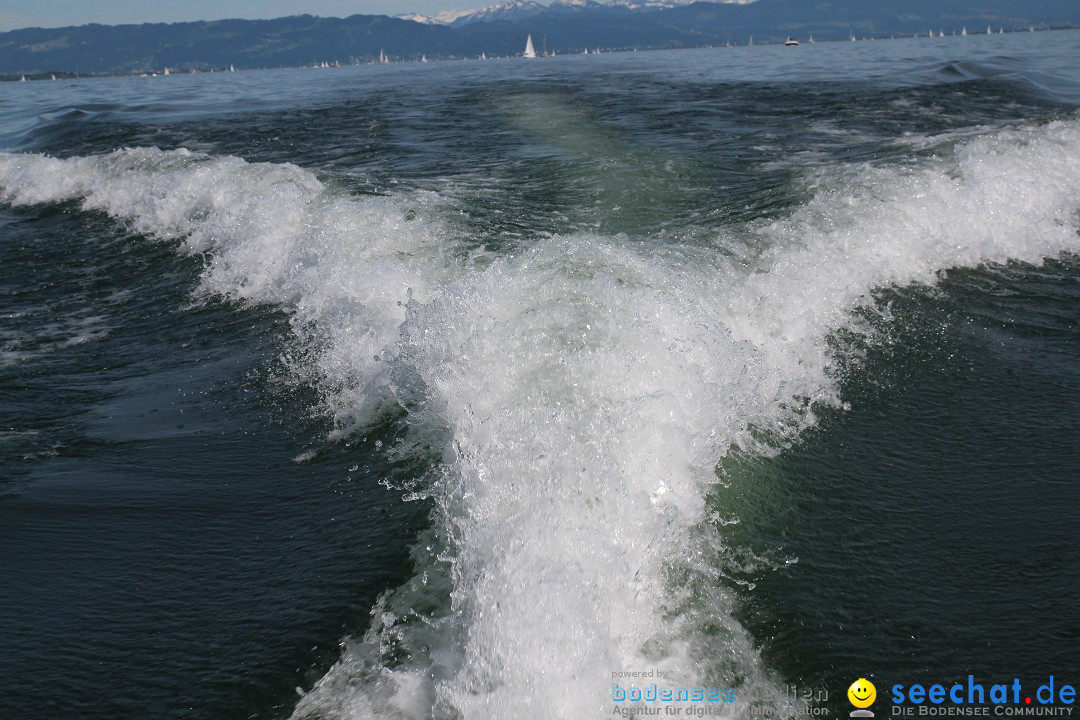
column 195, row 68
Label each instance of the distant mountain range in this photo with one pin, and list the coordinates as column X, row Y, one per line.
column 562, row 27
column 519, row 10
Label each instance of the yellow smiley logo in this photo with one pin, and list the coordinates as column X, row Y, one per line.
column 862, row 693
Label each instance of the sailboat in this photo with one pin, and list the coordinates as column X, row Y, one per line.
column 530, row 51
column 989, row 30
column 382, row 58
column 963, row 33
column 423, row 58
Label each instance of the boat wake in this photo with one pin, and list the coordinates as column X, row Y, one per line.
column 583, row 392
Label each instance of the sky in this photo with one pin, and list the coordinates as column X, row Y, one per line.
column 58, row 13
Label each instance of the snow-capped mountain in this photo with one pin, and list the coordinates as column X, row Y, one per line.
column 650, row 4
column 415, row 17
column 515, row 10
column 574, row 5
column 511, row 10
column 667, row 4
column 446, row 17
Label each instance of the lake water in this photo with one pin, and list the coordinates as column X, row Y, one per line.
column 471, row 389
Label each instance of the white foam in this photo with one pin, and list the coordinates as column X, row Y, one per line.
column 271, row 234
column 590, row 384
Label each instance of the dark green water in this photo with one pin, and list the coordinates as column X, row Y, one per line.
column 758, row 367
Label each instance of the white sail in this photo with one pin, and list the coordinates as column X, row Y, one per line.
column 530, row 51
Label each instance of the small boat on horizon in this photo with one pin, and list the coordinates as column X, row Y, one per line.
column 530, row 51
column 791, row 42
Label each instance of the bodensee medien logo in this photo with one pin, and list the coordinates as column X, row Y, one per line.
column 651, row 693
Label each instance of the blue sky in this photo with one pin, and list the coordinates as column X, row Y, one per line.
column 56, row 13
